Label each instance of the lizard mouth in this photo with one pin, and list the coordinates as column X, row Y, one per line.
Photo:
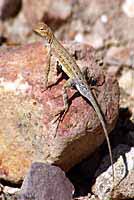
column 36, row 31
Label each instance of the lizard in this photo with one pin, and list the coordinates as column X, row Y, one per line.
column 76, row 78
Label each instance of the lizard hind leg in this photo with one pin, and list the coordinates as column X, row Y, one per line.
column 89, row 78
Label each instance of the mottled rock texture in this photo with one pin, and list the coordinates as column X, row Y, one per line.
column 28, row 127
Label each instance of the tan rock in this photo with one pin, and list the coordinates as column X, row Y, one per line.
column 126, row 82
column 124, row 175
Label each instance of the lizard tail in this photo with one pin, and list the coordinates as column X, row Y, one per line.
column 102, row 120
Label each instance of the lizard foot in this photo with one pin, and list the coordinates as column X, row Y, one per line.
column 60, row 115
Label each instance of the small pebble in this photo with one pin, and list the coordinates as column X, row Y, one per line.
column 79, row 38
column 104, row 19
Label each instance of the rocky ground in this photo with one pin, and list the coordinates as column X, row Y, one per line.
column 106, row 25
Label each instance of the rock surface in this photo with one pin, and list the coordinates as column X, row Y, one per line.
column 45, row 181
column 28, row 130
column 126, row 188
column 120, row 56
column 126, row 82
column 124, row 174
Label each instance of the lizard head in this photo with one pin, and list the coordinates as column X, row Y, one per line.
column 43, row 30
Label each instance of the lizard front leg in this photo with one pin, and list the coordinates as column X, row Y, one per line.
column 90, row 79
column 61, row 113
column 47, row 70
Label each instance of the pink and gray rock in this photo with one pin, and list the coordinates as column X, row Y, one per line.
column 28, row 126
column 120, row 56
column 45, row 181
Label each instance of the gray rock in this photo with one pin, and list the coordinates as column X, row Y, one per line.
column 46, row 182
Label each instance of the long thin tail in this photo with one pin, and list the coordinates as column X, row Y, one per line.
column 102, row 120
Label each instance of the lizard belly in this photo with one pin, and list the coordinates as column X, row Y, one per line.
column 66, row 67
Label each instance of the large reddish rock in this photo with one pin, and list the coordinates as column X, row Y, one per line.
column 28, row 127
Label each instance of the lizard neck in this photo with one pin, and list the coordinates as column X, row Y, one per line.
column 69, row 65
